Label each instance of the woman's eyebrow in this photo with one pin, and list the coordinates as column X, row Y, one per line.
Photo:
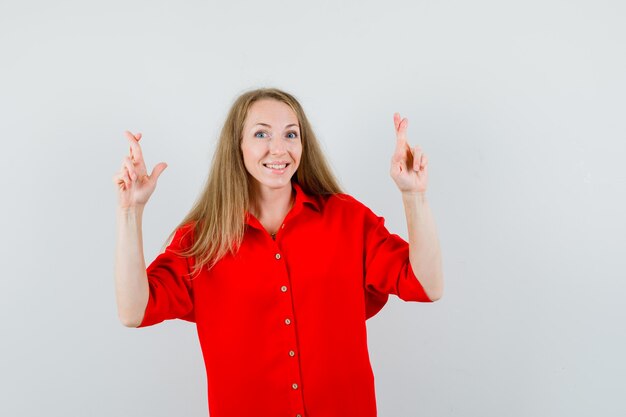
column 265, row 124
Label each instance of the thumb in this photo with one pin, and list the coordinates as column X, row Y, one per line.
column 157, row 170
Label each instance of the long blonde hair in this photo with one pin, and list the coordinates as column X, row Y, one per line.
column 219, row 213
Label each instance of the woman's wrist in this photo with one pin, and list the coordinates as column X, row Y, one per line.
column 411, row 196
column 132, row 211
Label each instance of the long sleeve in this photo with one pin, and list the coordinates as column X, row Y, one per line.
column 387, row 266
column 169, row 279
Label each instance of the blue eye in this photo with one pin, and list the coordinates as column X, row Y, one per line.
column 292, row 135
column 256, row 135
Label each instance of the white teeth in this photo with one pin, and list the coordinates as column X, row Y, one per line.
column 273, row 166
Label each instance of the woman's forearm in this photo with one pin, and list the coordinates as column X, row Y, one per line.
column 424, row 250
column 131, row 282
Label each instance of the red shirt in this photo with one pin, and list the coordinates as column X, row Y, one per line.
column 282, row 323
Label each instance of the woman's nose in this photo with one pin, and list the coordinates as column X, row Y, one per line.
column 277, row 146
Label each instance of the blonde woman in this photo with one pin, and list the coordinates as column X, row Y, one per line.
column 278, row 268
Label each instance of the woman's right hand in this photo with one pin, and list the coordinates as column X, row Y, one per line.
column 134, row 184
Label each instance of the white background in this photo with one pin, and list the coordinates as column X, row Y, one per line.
column 519, row 105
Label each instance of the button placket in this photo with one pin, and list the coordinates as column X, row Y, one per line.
column 292, row 344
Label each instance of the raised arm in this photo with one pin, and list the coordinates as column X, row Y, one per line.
column 134, row 188
column 409, row 170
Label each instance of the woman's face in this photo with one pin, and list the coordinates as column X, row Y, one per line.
column 271, row 144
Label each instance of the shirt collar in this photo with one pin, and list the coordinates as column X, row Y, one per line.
column 302, row 198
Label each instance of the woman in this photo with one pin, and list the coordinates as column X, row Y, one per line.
column 278, row 269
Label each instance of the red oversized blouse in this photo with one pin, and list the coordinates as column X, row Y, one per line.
column 282, row 323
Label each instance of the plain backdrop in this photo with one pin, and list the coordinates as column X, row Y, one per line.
column 520, row 106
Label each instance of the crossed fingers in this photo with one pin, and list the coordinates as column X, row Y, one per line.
column 404, row 154
column 134, row 161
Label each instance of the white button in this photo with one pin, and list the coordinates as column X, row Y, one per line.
column 292, row 353
column 283, row 288
column 298, row 415
column 278, row 256
column 294, row 386
column 287, row 321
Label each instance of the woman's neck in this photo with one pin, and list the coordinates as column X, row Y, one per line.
column 272, row 205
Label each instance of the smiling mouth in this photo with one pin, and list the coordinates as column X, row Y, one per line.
column 276, row 166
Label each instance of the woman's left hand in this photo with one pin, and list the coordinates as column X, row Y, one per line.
column 408, row 165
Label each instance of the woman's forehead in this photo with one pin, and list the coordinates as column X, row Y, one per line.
column 272, row 113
